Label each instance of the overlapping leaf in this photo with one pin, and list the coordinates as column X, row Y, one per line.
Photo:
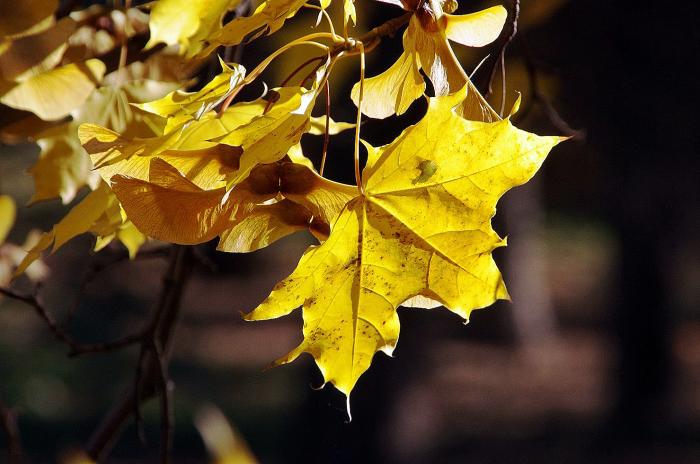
column 275, row 200
column 267, row 18
column 208, row 148
column 422, row 228
column 98, row 213
column 63, row 166
column 52, row 95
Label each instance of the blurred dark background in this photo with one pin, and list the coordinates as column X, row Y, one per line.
column 596, row 360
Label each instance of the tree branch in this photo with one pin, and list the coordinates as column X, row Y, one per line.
column 152, row 373
column 539, row 97
column 504, row 40
column 75, row 348
column 35, row 302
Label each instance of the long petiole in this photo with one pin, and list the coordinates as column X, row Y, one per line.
column 326, row 133
column 358, row 175
column 123, row 50
column 299, row 68
column 328, row 19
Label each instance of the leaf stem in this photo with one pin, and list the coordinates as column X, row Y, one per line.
column 326, row 133
column 299, row 68
column 358, row 120
column 123, row 50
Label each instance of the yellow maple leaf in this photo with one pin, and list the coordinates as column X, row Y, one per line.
column 52, row 95
column 99, row 213
column 422, row 227
column 426, row 47
column 63, row 166
column 187, row 22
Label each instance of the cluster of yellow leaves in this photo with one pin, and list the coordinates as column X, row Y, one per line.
column 187, row 167
column 10, row 254
column 196, row 25
column 51, row 70
column 238, row 175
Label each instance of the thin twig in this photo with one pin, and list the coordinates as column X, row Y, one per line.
column 164, row 387
column 504, row 40
column 8, row 418
column 299, row 68
column 99, row 266
column 326, row 132
column 358, row 121
column 349, row 47
column 107, row 347
column 75, row 348
column 35, row 302
column 540, row 98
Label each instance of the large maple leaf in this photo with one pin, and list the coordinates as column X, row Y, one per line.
column 422, row 228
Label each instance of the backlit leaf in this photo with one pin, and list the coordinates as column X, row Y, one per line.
column 422, row 228
column 54, row 94
column 318, row 126
column 393, row 91
column 63, row 167
column 34, row 54
column 266, row 19
column 98, row 213
column 426, row 47
column 187, row 22
column 179, row 106
column 8, row 212
column 274, row 201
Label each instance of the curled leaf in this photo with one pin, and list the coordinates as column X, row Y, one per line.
column 426, row 47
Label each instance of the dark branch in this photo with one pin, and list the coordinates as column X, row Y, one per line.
column 540, row 98
column 504, row 40
column 152, row 374
column 75, row 348
column 35, row 302
column 101, row 265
